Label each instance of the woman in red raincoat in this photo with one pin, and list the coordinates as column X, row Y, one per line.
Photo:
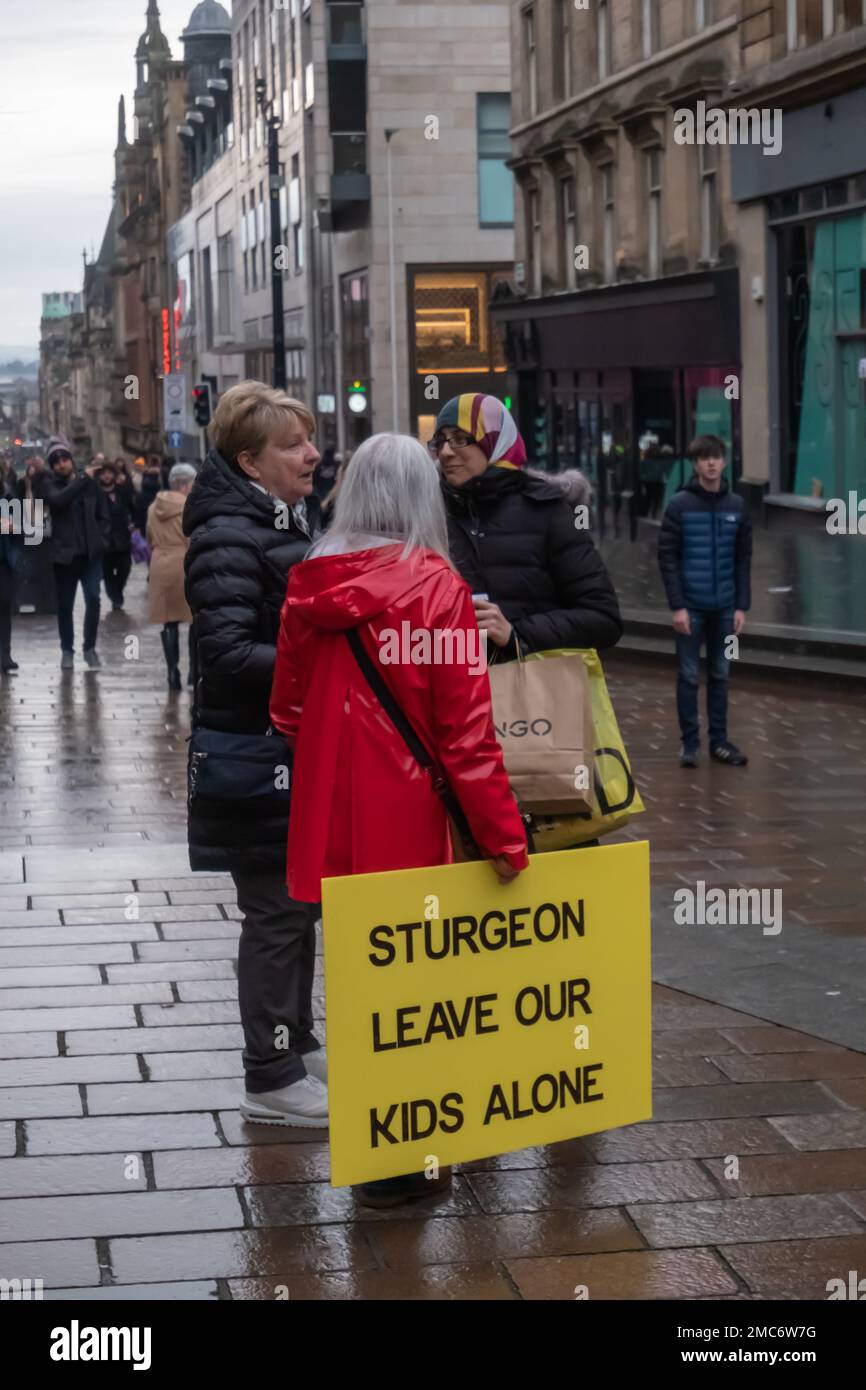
column 361, row 803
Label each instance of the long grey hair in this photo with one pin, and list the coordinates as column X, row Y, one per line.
column 390, row 492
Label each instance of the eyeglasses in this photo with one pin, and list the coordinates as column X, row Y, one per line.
column 457, row 441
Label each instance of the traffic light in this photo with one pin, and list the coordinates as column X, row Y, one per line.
column 202, row 404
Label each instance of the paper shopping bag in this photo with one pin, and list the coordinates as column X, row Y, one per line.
column 615, row 796
column 543, row 719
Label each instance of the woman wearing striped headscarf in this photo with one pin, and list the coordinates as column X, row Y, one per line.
column 535, row 575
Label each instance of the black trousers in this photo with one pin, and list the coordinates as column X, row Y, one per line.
column 7, row 584
column 171, row 648
column 276, row 963
column 116, row 565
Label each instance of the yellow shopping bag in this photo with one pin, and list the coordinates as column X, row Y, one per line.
column 615, row 797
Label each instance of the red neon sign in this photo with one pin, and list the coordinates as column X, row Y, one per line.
column 166, row 344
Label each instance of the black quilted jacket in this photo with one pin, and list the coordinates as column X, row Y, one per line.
column 237, row 569
column 513, row 537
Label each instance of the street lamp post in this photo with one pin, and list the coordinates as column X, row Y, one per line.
column 273, row 123
column 392, row 293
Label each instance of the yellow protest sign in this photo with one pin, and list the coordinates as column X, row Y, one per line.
column 466, row 1018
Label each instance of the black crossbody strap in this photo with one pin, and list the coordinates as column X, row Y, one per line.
column 386, row 699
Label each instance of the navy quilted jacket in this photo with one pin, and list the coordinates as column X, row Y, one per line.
column 705, row 549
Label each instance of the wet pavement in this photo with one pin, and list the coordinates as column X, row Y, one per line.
column 126, row 1171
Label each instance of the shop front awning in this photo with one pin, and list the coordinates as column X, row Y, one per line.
column 691, row 320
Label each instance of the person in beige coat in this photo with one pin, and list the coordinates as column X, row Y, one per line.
column 166, row 599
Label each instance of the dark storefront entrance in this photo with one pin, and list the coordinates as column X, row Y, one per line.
column 616, row 383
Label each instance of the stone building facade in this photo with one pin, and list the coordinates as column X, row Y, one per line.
column 802, row 231
column 151, row 186
column 340, row 76
column 623, row 328
column 668, row 154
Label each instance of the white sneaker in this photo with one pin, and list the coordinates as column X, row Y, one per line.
column 303, row 1104
column 316, row 1064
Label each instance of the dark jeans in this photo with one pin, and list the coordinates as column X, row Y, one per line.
column 67, row 578
column 116, row 565
column 7, row 583
column 714, row 628
column 276, row 961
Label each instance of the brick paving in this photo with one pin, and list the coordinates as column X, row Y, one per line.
column 127, row 1173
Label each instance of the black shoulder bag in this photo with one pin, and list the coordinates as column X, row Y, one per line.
column 231, row 774
column 413, row 743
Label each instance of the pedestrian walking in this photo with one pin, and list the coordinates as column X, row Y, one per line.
column 151, row 484
column 537, row 580
column 166, row 600
column 250, row 517
column 362, row 802
column 80, row 532
column 11, row 491
column 117, row 561
column 705, row 556
column 329, row 501
column 125, row 481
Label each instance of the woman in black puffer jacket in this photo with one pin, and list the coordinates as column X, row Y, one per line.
column 250, row 518
column 515, row 539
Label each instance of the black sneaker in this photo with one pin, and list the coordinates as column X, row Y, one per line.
column 728, row 753
column 7, row 665
column 393, row 1192
column 689, row 757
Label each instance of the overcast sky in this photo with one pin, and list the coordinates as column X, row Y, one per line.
column 65, row 64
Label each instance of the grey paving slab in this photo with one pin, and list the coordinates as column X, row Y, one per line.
column 803, row 978
column 145, row 861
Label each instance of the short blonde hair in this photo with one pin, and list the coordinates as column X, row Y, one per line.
column 250, row 414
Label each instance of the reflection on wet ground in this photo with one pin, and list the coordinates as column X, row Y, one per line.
column 119, row 1035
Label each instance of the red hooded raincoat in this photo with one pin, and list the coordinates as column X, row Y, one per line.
column 360, row 802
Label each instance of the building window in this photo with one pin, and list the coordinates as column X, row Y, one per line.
column 207, row 294
column 654, row 212
column 608, row 223
column 296, row 214
column 252, row 239
column 452, row 325
column 562, row 48
column 224, row 285
column 261, row 232
column 649, row 27
column 568, row 222
column 345, row 24
column 245, row 243
column 296, row 373
column 284, row 221
column 293, row 56
column 704, row 13
column 709, row 205
column 533, row 239
column 495, row 183
column 603, row 39
column 530, row 58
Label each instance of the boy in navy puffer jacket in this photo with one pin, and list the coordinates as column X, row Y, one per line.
column 705, row 554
